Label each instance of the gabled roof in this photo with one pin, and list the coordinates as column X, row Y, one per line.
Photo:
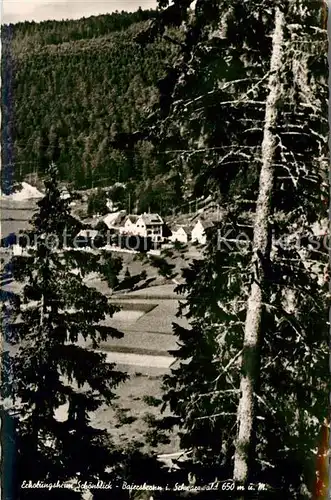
column 186, row 229
column 132, row 218
column 150, row 219
column 114, row 219
column 205, row 224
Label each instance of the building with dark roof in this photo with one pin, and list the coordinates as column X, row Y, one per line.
column 198, row 233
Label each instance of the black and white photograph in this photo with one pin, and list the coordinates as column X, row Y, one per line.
column 165, row 258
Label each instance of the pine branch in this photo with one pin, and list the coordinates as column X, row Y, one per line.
column 221, row 414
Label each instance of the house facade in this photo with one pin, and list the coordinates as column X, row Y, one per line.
column 149, row 225
column 181, row 234
column 129, row 226
column 198, row 233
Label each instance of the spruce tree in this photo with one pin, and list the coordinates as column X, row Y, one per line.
column 216, row 111
column 53, row 331
column 260, row 254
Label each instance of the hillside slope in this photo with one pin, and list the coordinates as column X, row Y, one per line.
column 69, row 87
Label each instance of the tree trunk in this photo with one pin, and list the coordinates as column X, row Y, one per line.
column 261, row 252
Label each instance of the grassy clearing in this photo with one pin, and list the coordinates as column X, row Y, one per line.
column 134, row 350
column 134, row 306
column 127, row 420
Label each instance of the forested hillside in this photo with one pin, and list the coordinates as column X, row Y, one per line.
column 235, row 109
column 70, row 86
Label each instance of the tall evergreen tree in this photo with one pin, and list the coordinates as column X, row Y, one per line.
column 237, row 112
column 53, row 330
column 260, row 255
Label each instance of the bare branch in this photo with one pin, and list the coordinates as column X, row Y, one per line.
column 223, row 413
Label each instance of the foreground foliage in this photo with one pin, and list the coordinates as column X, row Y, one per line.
column 51, row 376
column 268, row 369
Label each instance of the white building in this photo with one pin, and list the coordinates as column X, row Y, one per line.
column 129, row 226
column 181, row 234
column 199, row 231
column 149, row 225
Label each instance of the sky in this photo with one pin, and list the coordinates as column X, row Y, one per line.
column 14, row 11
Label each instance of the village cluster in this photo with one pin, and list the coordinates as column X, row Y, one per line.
column 117, row 229
column 146, row 225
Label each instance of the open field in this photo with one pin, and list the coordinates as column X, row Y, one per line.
column 135, row 405
column 15, row 216
column 143, row 343
column 158, row 320
column 127, row 420
column 141, row 357
column 148, row 309
column 160, row 292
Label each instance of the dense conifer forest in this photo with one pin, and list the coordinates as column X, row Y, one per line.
column 223, row 98
column 70, row 87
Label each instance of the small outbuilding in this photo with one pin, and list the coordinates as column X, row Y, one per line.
column 181, row 234
column 198, row 233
